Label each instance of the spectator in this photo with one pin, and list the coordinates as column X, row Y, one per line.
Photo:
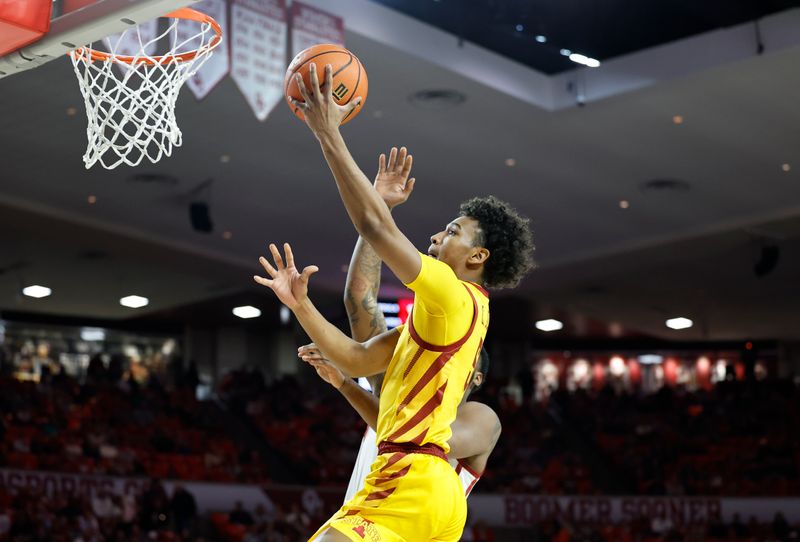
column 239, row 515
column 184, row 509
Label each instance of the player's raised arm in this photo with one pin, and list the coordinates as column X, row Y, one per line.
column 367, row 211
column 364, row 274
column 291, row 287
column 475, row 432
column 364, row 402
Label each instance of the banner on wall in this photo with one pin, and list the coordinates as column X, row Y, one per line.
column 311, row 26
column 218, row 64
column 529, row 510
column 258, row 52
column 497, row 510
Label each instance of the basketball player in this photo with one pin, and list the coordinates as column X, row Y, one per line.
column 411, row 493
column 477, row 427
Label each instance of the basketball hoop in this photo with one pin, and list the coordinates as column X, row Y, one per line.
column 131, row 110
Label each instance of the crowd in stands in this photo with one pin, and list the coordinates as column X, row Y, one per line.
column 735, row 439
column 152, row 514
column 315, row 431
column 112, row 424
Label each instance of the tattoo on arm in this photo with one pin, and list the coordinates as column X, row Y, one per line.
column 361, row 292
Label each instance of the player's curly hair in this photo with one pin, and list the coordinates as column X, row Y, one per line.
column 508, row 238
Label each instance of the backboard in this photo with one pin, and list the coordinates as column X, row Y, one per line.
column 80, row 22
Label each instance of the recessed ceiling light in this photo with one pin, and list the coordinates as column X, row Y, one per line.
column 786, row 167
column 520, row 28
column 541, row 39
column 511, row 162
column 679, row 323
column 227, row 235
column 549, row 325
column 584, row 60
column 624, row 204
column 72, row 111
column 377, row 114
column 677, row 119
column 92, row 200
column 247, row 311
column 225, row 158
column 565, row 52
column 37, row 291
column 285, row 314
column 134, row 301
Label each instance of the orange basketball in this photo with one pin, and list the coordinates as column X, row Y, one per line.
column 349, row 76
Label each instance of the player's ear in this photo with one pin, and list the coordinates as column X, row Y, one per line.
column 477, row 379
column 478, row 256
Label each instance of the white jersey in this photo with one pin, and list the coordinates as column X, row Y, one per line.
column 368, row 452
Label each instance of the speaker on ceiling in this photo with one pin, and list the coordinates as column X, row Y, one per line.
column 200, row 217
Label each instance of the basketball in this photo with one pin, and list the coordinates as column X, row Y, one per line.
column 349, row 76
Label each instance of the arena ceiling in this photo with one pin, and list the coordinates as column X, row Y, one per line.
column 601, row 30
column 735, row 148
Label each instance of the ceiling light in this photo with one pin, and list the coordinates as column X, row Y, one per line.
column 510, row 162
column 285, row 314
column 520, row 28
column 37, row 291
column 225, row 158
column 72, row 111
column 583, row 59
column 549, row 325
column 677, row 119
column 624, row 204
column 93, row 334
column 227, row 234
column 786, row 167
column 92, row 200
column 679, row 323
column 247, row 311
column 134, row 301
column 566, row 52
column 541, row 39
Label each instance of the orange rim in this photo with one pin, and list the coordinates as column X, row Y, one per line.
column 182, row 13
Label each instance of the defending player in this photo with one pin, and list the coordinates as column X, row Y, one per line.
column 411, row 493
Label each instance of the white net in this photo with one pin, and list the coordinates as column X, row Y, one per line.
column 130, row 96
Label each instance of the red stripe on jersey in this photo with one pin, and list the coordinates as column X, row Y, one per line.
column 474, row 364
column 463, row 465
column 469, row 489
column 377, row 495
column 393, row 459
column 395, row 476
column 419, row 438
column 450, row 347
column 413, row 362
column 435, row 368
column 422, row 413
column 481, row 289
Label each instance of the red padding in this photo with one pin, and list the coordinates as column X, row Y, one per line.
column 22, row 23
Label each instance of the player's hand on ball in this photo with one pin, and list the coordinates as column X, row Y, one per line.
column 327, row 372
column 290, row 285
column 321, row 112
column 392, row 182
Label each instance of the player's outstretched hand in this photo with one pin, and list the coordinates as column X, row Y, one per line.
column 321, row 112
column 392, row 182
column 290, row 285
column 327, row 372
